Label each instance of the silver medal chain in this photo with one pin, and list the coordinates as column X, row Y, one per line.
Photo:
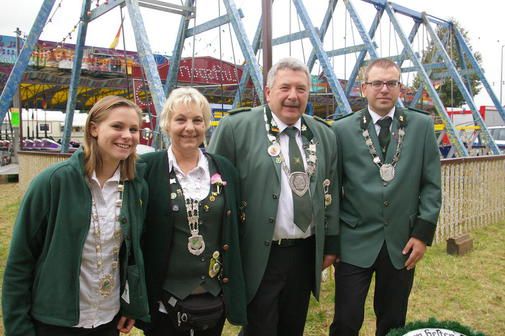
column 310, row 150
column 386, row 169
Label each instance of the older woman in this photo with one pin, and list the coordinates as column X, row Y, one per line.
column 75, row 266
column 193, row 266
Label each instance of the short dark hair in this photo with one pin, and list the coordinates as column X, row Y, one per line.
column 384, row 63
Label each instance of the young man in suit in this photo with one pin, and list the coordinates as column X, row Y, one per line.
column 287, row 168
column 389, row 170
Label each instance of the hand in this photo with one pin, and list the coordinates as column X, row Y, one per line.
column 328, row 260
column 417, row 248
column 125, row 324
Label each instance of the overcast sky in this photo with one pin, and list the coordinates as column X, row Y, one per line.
column 483, row 20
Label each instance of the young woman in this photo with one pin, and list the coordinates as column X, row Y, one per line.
column 75, row 266
column 193, row 266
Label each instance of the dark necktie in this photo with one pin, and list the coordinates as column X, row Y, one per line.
column 384, row 134
column 302, row 206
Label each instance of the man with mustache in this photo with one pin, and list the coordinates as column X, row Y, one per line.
column 389, row 170
column 287, row 167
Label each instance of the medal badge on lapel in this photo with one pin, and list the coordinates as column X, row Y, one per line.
column 214, row 265
column 326, row 190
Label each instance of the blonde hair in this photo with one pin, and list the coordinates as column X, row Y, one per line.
column 184, row 96
column 97, row 114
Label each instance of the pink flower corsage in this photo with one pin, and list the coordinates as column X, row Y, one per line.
column 217, row 181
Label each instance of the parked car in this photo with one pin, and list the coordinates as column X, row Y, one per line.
column 498, row 134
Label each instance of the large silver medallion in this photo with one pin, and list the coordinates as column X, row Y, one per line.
column 196, row 244
column 299, row 183
column 387, row 172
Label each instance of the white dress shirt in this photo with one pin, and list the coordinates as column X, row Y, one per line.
column 285, row 228
column 376, row 117
column 95, row 309
column 196, row 183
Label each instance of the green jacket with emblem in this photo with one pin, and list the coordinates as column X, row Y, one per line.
column 159, row 231
column 242, row 138
column 373, row 212
column 41, row 279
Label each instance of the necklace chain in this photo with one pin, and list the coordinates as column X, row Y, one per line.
column 387, row 170
column 106, row 282
column 310, row 149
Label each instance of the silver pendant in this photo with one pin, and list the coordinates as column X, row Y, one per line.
column 196, row 244
column 274, row 149
column 387, row 172
column 299, row 183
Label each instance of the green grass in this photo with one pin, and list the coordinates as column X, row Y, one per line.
column 469, row 289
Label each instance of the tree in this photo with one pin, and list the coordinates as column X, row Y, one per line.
column 446, row 88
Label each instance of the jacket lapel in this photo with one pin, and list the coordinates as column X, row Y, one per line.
column 393, row 142
column 276, row 166
column 375, row 139
column 307, row 122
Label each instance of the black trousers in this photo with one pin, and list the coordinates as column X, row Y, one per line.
column 108, row 329
column 162, row 326
column 280, row 305
column 391, row 296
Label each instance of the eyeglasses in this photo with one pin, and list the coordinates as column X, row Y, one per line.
column 392, row 84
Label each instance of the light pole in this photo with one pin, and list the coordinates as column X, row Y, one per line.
column 501, row 74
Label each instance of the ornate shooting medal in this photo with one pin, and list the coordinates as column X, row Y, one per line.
column 196, row 244
column 387, row 172
column 299, row 182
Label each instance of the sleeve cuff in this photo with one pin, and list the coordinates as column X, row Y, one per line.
column 332, row 245
column 424, row 231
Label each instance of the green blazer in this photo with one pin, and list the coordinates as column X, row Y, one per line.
column 159, row 226
column 371, row 211
column 242, row 138
column 41, row 279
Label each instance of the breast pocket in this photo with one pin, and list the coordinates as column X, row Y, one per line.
column 350, row 220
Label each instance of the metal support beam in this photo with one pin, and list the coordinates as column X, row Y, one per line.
column 245, row 73
column 291, row 37
column 368, row 41
column 245, row 46
column 166, row 7
column 369, row 44
column 19, row 68
column 328, row 16
column 103, row 9
column 343, row 106
column 347, row 50
column 461, row 86
column 171, row 79
column 215, row 23
column 148, row 64
column 480, row 73
column 76, row 74
column 451, row 131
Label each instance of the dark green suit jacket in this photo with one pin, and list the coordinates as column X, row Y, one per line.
column 242, row 138
column 159, row 228
column 372, row 212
